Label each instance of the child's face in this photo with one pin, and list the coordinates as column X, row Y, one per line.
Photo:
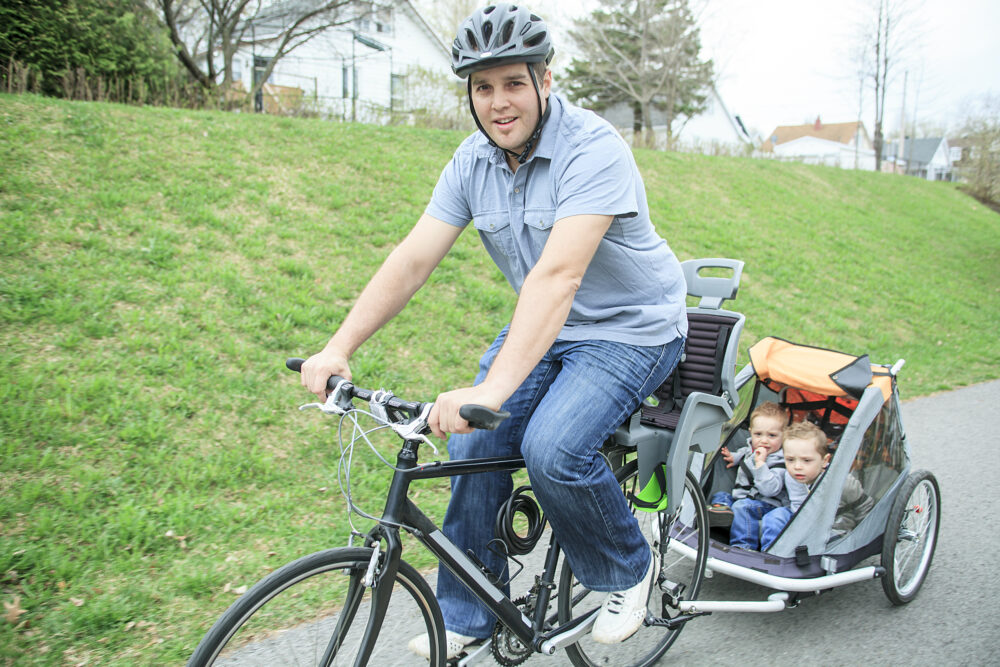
column 766, row 432
column 802, row 461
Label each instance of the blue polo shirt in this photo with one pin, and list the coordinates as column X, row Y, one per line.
column 633, row 290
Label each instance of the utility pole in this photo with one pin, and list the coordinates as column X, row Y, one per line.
column 902, row 125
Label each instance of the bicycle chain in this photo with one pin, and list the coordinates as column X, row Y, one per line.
column 506, row 648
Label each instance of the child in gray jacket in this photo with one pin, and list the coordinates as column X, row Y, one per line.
column 760, row 482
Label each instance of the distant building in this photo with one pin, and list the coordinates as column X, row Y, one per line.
column 360, row 70
column 931, row 158
column 844, row 145
column 714, row 131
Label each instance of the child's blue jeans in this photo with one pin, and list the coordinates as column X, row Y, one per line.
column 747, row 515
column 772, row 524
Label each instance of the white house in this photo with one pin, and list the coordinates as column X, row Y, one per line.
column 714, row 131
column 364, row 70
column 844, row 145
column 929, row 158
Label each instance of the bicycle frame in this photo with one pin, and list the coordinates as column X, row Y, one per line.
column 401, row 511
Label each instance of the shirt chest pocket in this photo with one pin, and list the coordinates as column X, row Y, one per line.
column 537, row 227
column 494, row 229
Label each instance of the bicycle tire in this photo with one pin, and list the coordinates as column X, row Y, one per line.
column 294, row 614
column 690, row 524
column 910, row 537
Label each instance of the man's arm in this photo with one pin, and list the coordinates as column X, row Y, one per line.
column 542, row 308
column 404, row 271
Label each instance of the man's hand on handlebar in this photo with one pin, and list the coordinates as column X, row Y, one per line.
column 318, row 368
column 444, row 417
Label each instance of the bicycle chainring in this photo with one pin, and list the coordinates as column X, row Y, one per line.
column 505, row 646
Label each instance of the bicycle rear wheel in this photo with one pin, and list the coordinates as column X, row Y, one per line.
column 314, row 611
column 688, row 525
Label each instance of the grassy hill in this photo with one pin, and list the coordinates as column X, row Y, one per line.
column 157, row 266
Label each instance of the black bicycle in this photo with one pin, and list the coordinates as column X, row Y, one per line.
column 342, row 606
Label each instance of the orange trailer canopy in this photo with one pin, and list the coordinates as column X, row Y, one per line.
column 818, row 370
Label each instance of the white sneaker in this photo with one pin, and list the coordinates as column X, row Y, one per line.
column 456, row 643
column 624, row 611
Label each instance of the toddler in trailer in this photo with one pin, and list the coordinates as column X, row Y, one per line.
column 806, row 457
column 760, row 481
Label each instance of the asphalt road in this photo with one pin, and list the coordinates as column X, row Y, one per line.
column 954, row 620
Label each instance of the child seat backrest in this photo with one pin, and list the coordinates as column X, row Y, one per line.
column 709, row 358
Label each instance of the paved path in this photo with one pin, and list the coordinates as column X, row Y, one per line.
column 955, row 618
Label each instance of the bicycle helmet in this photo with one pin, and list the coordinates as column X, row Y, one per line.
column 503, row 34
column 499, row 35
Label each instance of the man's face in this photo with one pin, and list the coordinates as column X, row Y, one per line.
column 506, row 104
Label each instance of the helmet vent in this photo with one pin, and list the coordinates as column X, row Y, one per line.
column 470, row 37
column 487, row 33
column 535, row 40
column 506, row 31
column 489, row 10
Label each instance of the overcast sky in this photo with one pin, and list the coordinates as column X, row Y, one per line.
column 783, row 62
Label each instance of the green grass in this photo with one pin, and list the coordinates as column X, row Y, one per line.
column 157, row 266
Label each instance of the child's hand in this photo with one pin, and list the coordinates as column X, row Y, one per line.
column 759, row 456
column 728, row 456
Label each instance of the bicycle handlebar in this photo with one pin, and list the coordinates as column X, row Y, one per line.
column 478, row 416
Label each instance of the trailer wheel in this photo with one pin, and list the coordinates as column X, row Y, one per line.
column 910, row 537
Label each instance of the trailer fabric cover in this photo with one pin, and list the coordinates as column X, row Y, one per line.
column 816, row 369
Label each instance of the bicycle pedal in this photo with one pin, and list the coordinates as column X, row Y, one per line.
column 473, row 653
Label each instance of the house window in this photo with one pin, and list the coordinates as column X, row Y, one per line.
column 398, row 94
column 374, row 17
column 955, row 153
column 383, row 19
column 259, row 67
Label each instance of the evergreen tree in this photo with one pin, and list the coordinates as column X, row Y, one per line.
column 645, row 54
column 106, row 38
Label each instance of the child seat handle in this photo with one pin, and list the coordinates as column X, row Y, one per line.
column 712, row 290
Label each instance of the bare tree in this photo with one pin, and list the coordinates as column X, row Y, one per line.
column 645, row 53
column 887, row 35
column 444, row 16
column 980, row 139
column 211, row 29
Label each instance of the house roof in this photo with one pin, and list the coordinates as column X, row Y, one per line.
column 842, row 133
column 914, row 150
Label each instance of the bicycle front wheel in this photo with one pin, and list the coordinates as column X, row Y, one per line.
column 314, row 611
column 682, row 541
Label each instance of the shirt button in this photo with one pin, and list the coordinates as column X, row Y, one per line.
column 492, row 226
column 517, row 190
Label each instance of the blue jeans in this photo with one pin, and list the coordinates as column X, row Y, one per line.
column 721, row 498
column 772, row 524
column 747, row 514
column 573, row 400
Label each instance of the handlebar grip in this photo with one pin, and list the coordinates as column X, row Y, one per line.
column 482, row 417
column 295, row 364
column 478, row 416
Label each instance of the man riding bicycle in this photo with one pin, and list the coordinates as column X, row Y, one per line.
column 560, row 206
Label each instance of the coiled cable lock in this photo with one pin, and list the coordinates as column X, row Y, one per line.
column 520, row 503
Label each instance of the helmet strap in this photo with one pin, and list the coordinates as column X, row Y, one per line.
column 542, row 117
